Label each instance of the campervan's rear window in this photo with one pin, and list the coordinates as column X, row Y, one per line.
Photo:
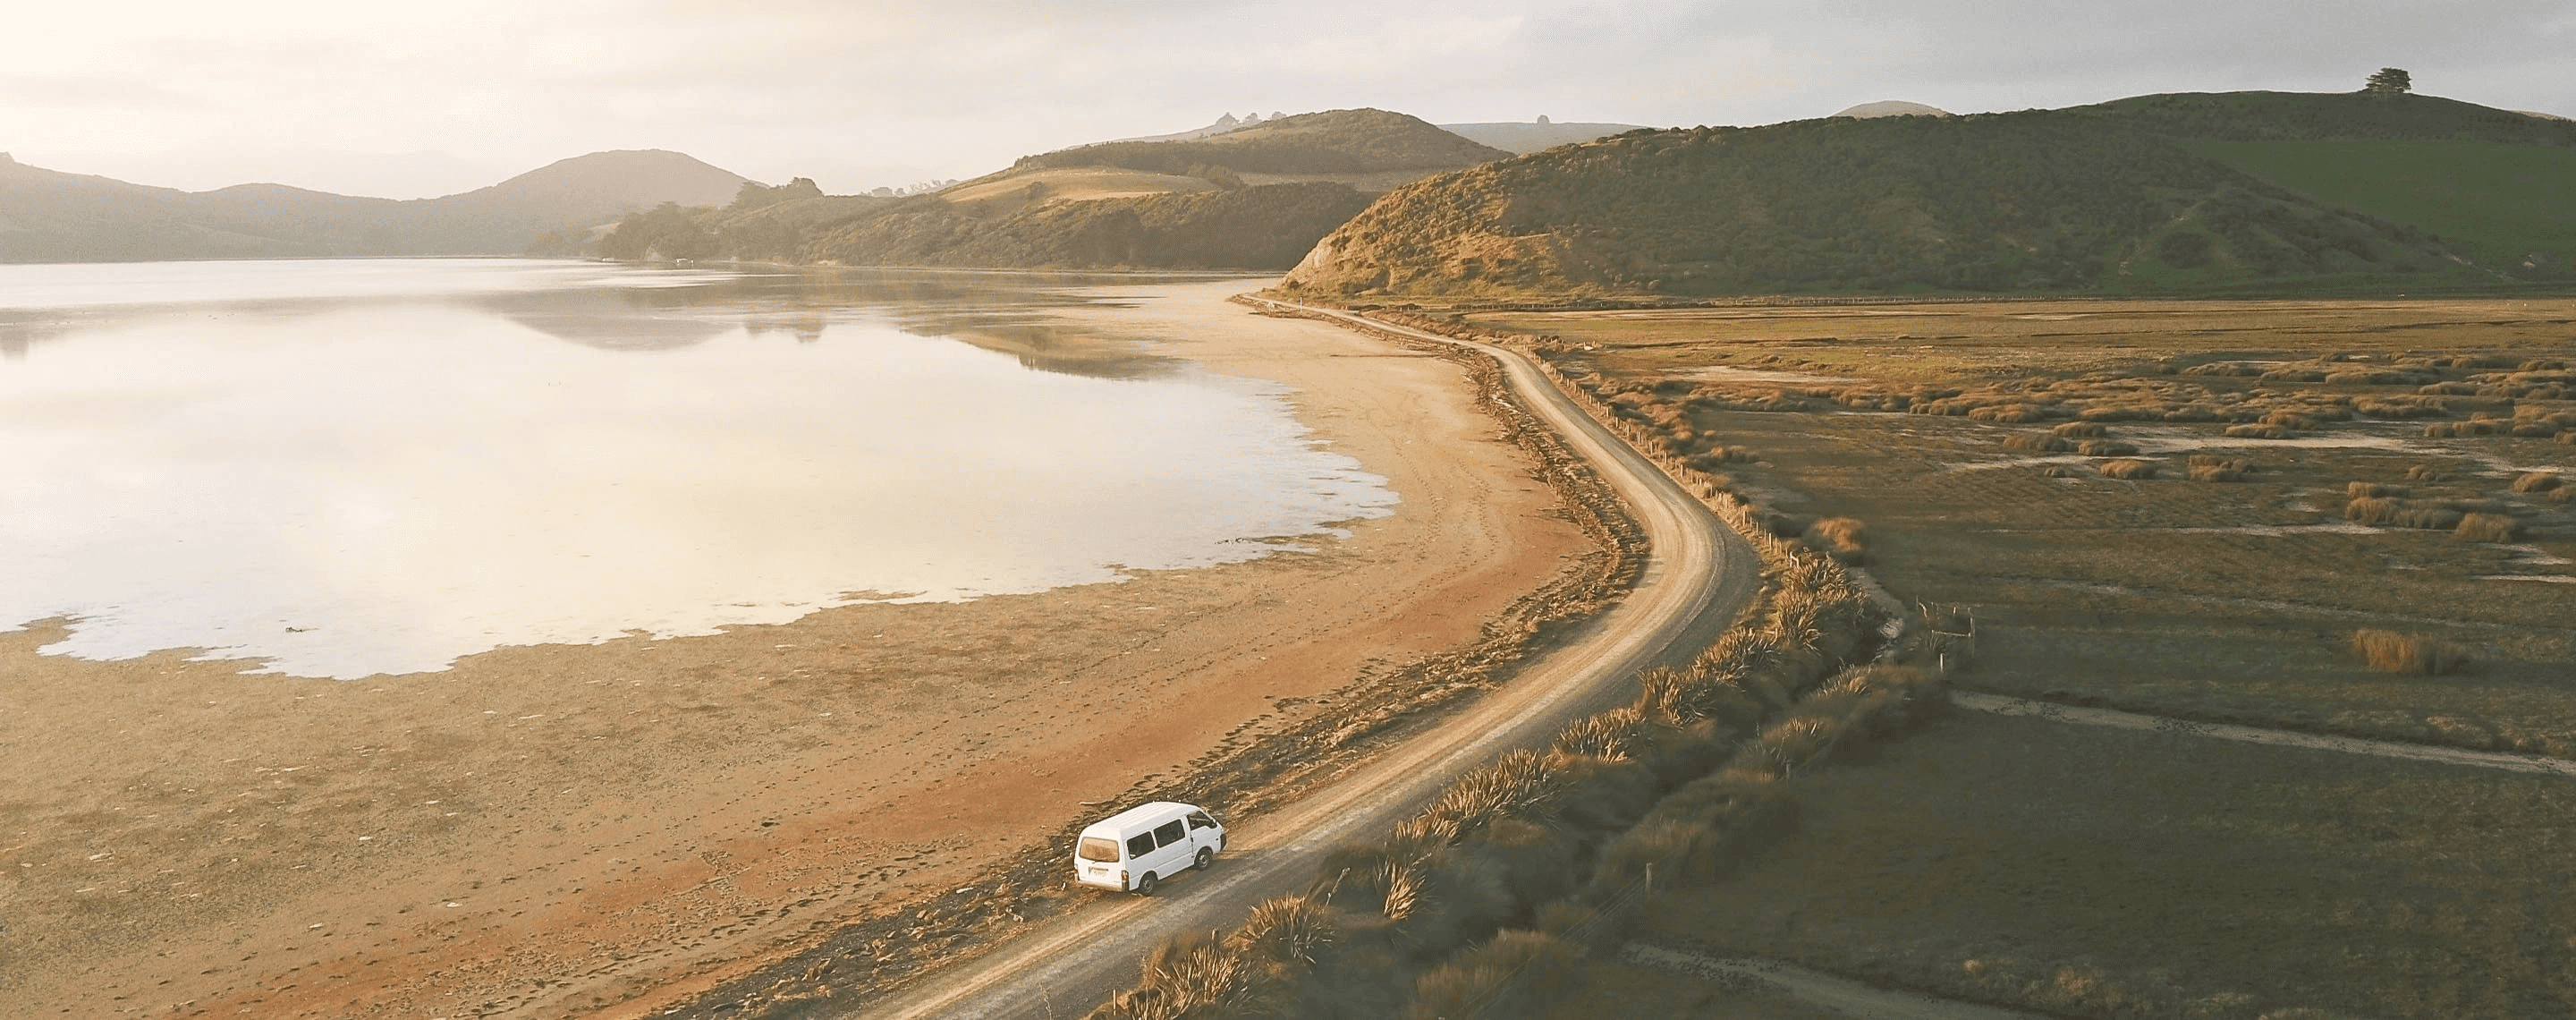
column 1095, row 848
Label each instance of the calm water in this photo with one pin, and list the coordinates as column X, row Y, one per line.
column 377, row 466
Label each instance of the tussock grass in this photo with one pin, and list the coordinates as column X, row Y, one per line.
column 2081, row 430
column 2128, row 470
column 2427, row 518
column 2370, row 490
column 2537, row 481
column 2401, row 407
column 1544, row 962
column 2240, row 465
column 2037, row 444
column 2487, row 528
column 2214, row 473
column 2106, row 448
column 2374, row 511
column 2256, row 431
column 2423, row 473
column 1839, row 537
column 1716, row 457
column 2387, row 651
column 2384, row 512
column 2008, row 414
column 2567, row 438
column 2057, row 471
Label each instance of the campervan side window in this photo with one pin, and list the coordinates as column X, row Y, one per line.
column 1140, row 844
column 1170, row 832
column 1095, row 848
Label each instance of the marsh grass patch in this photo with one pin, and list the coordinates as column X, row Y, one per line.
column 2387, row 651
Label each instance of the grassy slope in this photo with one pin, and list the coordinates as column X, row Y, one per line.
column 1254, row 198
column 2090, row 198
column 1983, row 857
column 1331, row 142
column 2499, row 202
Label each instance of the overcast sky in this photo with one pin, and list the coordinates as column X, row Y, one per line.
column 415, row 99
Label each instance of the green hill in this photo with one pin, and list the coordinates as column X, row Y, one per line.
column 2194, row 193
column 1256, row 197
column 1332, row 142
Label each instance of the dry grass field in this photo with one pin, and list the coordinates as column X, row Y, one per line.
column 2393, row 470
column 2091, row 873
column 2345, row 517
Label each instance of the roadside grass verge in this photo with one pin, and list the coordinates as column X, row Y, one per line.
column 1493, row 891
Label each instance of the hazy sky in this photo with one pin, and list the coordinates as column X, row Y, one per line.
column 413, row 99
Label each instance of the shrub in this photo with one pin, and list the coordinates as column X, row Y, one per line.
column 2387, row 651
column 1721, row 455
column 2128, row 470
column 2105, row 448
column 2007, row 414
column 1839, row 537
column 2487, row 528
column 2370, row 510
column 2036, row 444
column 2081, row 430
column 2429, row 518
column 2536, row 481
column 1474, row 978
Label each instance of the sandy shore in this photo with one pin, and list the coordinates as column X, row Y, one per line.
column 578, row 830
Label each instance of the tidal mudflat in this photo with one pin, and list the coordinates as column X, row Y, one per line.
column 547, row 829
column 353, row 468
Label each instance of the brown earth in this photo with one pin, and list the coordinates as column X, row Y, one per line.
column 511, row 838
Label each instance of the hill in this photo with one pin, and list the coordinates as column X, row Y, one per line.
column 2191, row 193
column 1332, row 142
column 1523, row 139
column 1894, row 108
column 49, row 216
column 1255, row 196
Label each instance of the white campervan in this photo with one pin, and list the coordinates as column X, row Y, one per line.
column 1141, row 845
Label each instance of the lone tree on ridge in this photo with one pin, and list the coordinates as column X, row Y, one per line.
column 2389, row 81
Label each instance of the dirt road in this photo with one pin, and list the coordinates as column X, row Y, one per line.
column 610, row 830
column 1699, row 577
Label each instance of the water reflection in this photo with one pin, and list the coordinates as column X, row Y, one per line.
column 351, row 483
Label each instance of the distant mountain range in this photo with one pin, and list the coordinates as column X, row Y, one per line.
column 2245, row 192
column 49, row 216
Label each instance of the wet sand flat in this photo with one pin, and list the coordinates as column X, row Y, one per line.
column 575, row 830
